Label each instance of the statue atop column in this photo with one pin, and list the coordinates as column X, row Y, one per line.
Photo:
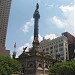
column 37, row 6
column 36, row 17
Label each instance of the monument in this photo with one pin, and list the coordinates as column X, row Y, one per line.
column 35, row 62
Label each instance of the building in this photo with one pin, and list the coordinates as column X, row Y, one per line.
column 35, row 62
column 57, row 48
column 71, row 44
column 4, row 17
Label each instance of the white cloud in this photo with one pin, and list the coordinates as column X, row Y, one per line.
column 68, row 22
column 28, row 25
column 29, row 45
column 50, row 36
column 68, row 11
column 59, row 23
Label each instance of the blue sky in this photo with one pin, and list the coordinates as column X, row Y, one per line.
column 56, row 17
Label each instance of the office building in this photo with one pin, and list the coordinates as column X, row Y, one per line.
column 4, row 17
column 71, row 44
column 57, row 48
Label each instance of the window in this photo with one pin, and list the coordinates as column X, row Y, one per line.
column 31, row 65
column 56, row 46
column 40, row 65
column 60, row 44
column 66, row 49
column 61, row 40
column 51, row 47
column 56, row 50
column 43, row 50
column 47, row 49
column 51, row 52
column 49, row 66
column 60, row 49
column 46, row 66
column 62, row 54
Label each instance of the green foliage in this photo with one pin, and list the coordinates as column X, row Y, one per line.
column 63, row 68
column 8, row 65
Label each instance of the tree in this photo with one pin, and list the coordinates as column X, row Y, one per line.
column 8, row 65
column 63, row 68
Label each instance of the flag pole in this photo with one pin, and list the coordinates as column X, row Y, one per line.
column 14, row 46
column 14, row 53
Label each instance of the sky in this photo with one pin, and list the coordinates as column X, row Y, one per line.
column 56, row 17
